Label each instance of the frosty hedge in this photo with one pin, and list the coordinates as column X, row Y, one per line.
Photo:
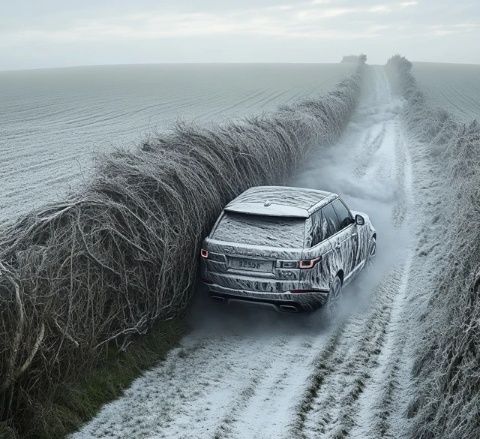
column 447, row 369
column 122, row 252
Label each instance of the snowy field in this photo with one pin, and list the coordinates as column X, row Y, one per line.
column 246, row 372
column 452, row 87
column 53, row 121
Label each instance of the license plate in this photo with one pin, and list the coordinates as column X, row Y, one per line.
column 250, row 264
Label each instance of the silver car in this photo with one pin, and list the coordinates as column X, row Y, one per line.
column 288, row 247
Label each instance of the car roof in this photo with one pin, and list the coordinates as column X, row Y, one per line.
column 280, row 201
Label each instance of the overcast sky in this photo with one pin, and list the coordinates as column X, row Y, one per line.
column 51, row 33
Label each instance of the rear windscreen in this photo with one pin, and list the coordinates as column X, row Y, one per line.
column 261, row 230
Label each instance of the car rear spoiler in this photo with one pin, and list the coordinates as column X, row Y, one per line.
column 267, row 209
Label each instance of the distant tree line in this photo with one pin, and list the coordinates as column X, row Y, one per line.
column 355, row 58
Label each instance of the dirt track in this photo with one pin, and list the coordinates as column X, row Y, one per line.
column 247, row 372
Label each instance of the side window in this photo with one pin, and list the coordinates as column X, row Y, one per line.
column 343, row 213
column 317, row 229
column 330, row 222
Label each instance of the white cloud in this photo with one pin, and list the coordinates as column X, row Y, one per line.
column 458, row 28
column 314, row 19
column 379, row 8
column 319, row 14
column 227, row 30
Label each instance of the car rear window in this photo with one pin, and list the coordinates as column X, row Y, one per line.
column 261, row 230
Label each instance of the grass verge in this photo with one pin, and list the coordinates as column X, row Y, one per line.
column 76, row 401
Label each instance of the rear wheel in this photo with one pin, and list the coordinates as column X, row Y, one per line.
column 372, row 250
column 334, row 296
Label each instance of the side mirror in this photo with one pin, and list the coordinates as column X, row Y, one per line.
column 359, row 220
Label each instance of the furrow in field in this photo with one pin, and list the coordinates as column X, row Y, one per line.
column 54, row 121
column 452, row 87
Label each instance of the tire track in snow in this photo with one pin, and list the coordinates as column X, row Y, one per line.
column 378, row 403
column 321, row 372
column 371, row 147
column 331, row 403
column 247, row 394
column 271, row 407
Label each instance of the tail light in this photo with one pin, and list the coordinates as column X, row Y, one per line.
column 204, row 253
column 306, row 263
column 309, row 263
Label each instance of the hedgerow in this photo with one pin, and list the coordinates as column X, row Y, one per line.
column 446, row 370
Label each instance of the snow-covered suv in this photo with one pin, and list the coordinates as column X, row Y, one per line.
column 289, row 247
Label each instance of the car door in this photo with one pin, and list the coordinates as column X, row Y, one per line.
column 349, row 242
column 319, row 246
column 336, row 237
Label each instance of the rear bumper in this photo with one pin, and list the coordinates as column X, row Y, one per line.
column 282, row 301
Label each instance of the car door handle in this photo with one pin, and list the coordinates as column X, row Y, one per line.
column 354, row 234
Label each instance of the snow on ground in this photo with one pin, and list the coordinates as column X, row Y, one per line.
column 248, row 372
column 53, row 120
column 452, row 87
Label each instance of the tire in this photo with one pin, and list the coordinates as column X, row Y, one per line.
column 372, row 249
column 334, row 296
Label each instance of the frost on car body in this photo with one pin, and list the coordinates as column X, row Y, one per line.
column 285, row 246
